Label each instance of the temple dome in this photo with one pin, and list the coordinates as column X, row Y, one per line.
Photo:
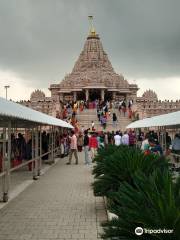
column 150, row 95
column 37, row 94
column 93, row 68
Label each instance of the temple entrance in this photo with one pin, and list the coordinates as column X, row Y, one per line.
column 94, row 94
column 81, row 96
column 108, row 96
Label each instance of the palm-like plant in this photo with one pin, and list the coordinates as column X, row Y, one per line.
column 119, row 164
column 101, row 157
column 152, row 203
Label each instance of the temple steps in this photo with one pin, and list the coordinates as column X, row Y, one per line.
column 86, row 117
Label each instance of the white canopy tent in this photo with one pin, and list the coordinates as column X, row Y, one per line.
column 12, row 116
column 169, row 120
column 22, row 116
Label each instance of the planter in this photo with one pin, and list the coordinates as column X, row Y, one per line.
column 110, row 215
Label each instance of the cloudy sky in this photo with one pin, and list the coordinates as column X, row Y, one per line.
column 41, row 39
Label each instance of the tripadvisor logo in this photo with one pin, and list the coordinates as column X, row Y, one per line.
column 139, row 231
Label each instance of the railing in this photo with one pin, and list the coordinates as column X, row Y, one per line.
column 36, row 161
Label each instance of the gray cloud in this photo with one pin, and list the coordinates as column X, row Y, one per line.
column 40, row 40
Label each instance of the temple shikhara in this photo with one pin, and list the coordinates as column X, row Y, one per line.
column 93, row 77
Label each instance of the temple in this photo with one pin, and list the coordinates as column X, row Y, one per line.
column 93, row 77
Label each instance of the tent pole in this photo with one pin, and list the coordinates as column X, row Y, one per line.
column 36, row 155
column 40, row 152
column 7, row 176
column 3, row 166
column 52, row 144
column 165, row 143
column 33, row 153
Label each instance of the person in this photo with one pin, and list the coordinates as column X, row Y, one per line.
column 114, row 118
column 130, row 113
column 81, row 106
column 66, row 143
column 82, row 129
column 44, row 145
column 86, row 148
column 145, row 143
column 117, row 139
column 101, row 140
column 92, row 125
column 62, row 148
column 75, row 107
column 176, row 144
column 132, row 138
column 110, row 140
column 120, row 106
column 73, row 147
column 176, row 147
column 130, row 104
column 124, row 107
column 98, row 114
column 103, row 121
column 125, row 139
column 21, row 146
column 141, row 137
column 80, row 142
column 168, row 140
column 64, row 113
column 106, row 139
column 93, row 144
column 155, row 147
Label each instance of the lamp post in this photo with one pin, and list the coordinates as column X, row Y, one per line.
column 6, row 87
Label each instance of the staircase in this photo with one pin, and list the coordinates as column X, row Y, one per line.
column 86, row 117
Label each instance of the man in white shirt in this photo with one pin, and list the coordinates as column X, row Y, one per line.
column 145, row 143
column 125, row 139
column 117, row 139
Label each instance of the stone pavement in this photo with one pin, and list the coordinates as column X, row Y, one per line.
column 60, row 205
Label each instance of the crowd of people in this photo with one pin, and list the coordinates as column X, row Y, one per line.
column 105, row 111
column 22, row 147
column 91, row 141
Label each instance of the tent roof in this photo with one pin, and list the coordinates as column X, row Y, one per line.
column 171, row 120
column 22, row 116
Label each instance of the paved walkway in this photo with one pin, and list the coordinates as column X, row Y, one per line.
column 60, row 205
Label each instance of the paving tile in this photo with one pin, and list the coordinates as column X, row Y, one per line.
column 60, row 205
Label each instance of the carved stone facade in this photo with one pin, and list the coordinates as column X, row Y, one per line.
column 149, row 105
column 39, row 102
column 93, row 77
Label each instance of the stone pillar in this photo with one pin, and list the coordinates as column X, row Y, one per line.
column 87, row 94
column 75, row 96
column 114, row 95
column 102, row 94
column 61, row 97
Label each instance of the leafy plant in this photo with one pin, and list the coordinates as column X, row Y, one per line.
column 117, row 164
column 152, row 203
column 101, row 157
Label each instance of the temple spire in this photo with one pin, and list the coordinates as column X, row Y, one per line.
column 92, row 31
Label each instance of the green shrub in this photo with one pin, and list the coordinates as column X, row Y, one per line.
column 117, row 164
column 101, row 157
column 152, row 203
